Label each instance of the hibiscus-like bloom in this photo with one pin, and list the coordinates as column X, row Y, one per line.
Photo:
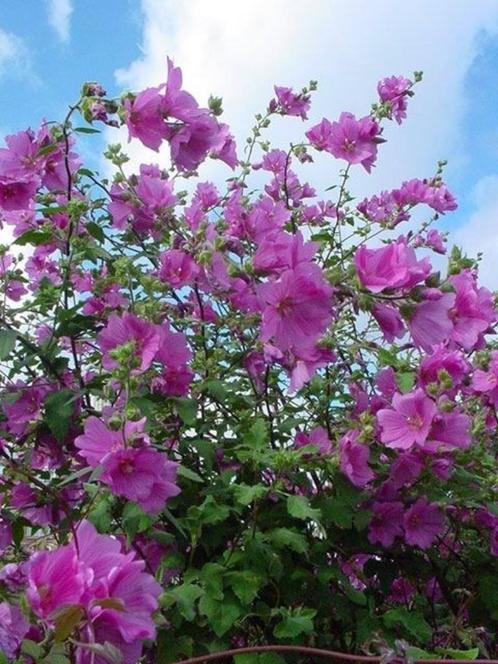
column 116, row 596
column 389, row 321
column 408, row 422
column 280, row 251
column 393, row 91
column 296, row 308
column 450, row 430
column 177, row 268
column 143, row 475
column 393, row 266
column 354, row 458
column 423, row 522
column 486, row 382
column 473, row 310
column 317, row 437
column 144, row 119
column 56, row 580
column 13, row 628
column 289, row 102
column 386, row 523
column 142, row 337
column 431, row 324
column 5, row 535
column 350, row 139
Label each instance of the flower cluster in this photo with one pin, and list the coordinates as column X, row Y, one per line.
column 233, row 415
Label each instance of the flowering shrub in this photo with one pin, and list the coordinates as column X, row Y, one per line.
column 237, row 417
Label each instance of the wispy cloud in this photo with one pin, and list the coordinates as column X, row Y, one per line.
column 59, row 17
column 14, row 55
column 239, row 49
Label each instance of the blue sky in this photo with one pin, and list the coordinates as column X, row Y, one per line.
column 239, row 49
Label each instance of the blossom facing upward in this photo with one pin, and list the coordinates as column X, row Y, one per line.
column 393, row 266
column 141, row 338
column 422, row 522
column 296, row 308
column 408, row 422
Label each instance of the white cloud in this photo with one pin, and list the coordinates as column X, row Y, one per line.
column 239, row 49
column 59, row 18
column 480, row 233
column 14, row 56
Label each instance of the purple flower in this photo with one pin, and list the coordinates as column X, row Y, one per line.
column 386, row 523
column 13, row 628
column 178, row 268
column 290, row 103
column 129, row 330
column 394, row 91
column 317, row 437
column 423, row 522
column 296, row 308
column 408, row 422
column 354, row 458
column 393, row 266
column 142, row 475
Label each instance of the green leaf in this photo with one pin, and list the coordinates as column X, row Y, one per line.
column 67, row 620
column 245, row 585
column 245, row 494
column 95, row 231
column 257, row 435
column 187, row 410
column 134, row 520
column 87, row 130
column 387, row 358
column 188, row 474
column 413, row 621
column 299, row 507
column 3, row 658
column 35, row 237
column 186, row 596
column 7, row 342
column 59, row 409
column 32, row 649
column 405, row 380
column 451, row 653
column 418, row 653
column 294, row 622
column 221, row 615
column 212, row 512
column 261, row 658
column 282, row 538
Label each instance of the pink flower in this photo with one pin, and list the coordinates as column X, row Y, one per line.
column 443, row 361
column 178, row 268
column 394, row 91
column 473, row 310
column 402, row 591
column 141, row 336
column 142, row 475
column 405, row 469
column 389, row 320
column 486, row 382
column 386, row 523
column 450, row 430
column 13, row 629
column 56, row 580
column 431, row 324
column 290, row 103
column 144, row 119
column 296, row 308
column 408, row 422
column 354, row 458
column 350, row 139
column 393, row 266
column 317, row 437
column 97, row 441
column 280, row 251
column 423, row 522
column 5, row 535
